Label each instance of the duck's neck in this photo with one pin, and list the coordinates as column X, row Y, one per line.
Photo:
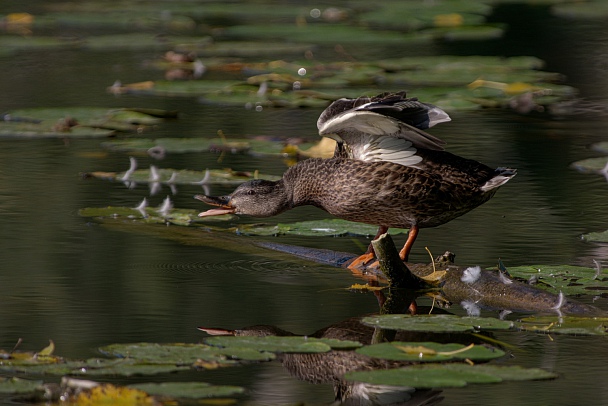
column 307, row 182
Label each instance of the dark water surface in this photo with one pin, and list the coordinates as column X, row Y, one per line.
column 84, row 285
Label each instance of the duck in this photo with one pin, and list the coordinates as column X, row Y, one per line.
column 386, row 171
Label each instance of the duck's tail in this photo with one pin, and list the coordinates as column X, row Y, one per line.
column 501, row 176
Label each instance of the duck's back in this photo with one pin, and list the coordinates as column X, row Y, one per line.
column 388, row 194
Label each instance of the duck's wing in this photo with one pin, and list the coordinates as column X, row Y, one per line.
column 386, row 115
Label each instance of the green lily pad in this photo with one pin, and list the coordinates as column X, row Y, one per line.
column 281, row 344
column 329, row 227
column 429, row 352
column 244, row 49
column 192, row 390
column 565, row 325
column 416, row 15
column 591, row 165
column 596, row 236
column 586, row 10
column 450, row 375
column 570, row 280
column 17, row 385
column 601, row 146
column 322, row 34
column 441, row 323
column 34, row 42
column 180, row 354
column 77, row 121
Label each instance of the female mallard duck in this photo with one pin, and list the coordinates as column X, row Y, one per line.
column 386, row 171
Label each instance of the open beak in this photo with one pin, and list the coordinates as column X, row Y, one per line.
column 222, row 201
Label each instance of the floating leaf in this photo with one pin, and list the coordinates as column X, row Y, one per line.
column 441, row 323
column 76, row 121
column 591, row 165
column 329, row 227
column 184, row 353
column 596, row 236
column 429, row 352
column 281, row 344
column 18, row 385
column 565, row 325
column 111, row 394
column 450, row 375
column 192, row 390
column 570, row 280
column 322, row 34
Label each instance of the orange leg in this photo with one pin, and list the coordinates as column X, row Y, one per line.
column 369, row 254
column 411, row 237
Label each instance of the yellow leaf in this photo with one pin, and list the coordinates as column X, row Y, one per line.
column 416, row 350
column 109, row 394
column 367, row 287
column 436, row 276
column 48, row 350
column 448, row 20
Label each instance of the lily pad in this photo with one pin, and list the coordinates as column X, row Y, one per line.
column 322, row 34
column 18, row 385
column 451, row 375
column 180, row 354
column 570, row 280
column 429, row 352
column 77, row 121
column 281, row 344
column 441, row 323
column 601, row 146
column 330, row 227
column 565, row 325
column 591, row 165
column 192, row 390
column 596, row 236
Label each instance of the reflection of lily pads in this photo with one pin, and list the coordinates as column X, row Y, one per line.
column 181, row 217
column 429, row 352
column 184, row 176
column 193, row 390
column 281, row 344
column 441, row 323
column 330, row 227
column 452, row 375
column 566, row 325
column 570, row 280
column 182, row 145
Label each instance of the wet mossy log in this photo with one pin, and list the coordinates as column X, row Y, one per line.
column 483, row 288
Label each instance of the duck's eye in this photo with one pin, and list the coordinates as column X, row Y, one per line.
column 251, row 192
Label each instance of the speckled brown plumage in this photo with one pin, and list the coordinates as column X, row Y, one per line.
column 379, row 193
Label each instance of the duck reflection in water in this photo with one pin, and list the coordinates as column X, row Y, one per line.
column 386, row 171
column 330, row 367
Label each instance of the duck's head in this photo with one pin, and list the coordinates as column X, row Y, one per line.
column 257, row 198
